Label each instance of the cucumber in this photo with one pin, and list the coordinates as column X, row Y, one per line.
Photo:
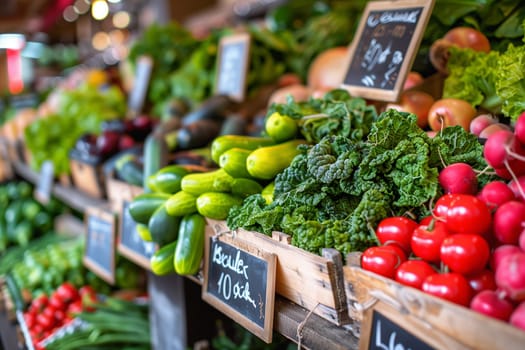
column 181, row 203
column 216, row 205
column 242, row 187
column 190, row 244
column 161, row 262
column 267, row 192
column 212, row 181
column 266, row 162
column 155, row 156
column 143, row 232
column 129, row 169
column 164, row 228
column 233, row 161
column 144, row 205
column 168, row 179
column 223, row 143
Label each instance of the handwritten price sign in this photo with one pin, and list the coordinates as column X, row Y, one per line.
column 239, row 280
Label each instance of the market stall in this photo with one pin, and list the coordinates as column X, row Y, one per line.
column 332, row 176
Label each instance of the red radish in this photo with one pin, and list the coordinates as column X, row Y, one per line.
column 496, row 193
column 513, row 168
column 518, row 187
column 489, row 303
column 500, row 252
column 495, row 149
column 458, row 178
column 508, row 221
column 517, row 318
column 510, row 276
column 491, row 129
column 481, row 122
column 519, row 128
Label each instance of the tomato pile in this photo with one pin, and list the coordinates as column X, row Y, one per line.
column 471, row 250
column 46, row 313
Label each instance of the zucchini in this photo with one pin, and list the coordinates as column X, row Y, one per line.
column 155, row 156
column 190, row 244
column 168, row 179
column 216, row 205
column 129, row 169
column 164, row 228
column 211, row 181
column 195, row 135
column 244, row 187
column 181, row 203
column 144, row 205
column 233, row 161
column 234, row 124
column 266, row 162
column 223, row 143
column 161, row 262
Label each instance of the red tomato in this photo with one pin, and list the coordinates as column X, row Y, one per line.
column 465, row 253
column 45, row 321
column 67, row 292
column 481, row 281
column 440, row 210
column 396, row 229
column 426, row 241
column 40, row 302
column 468, row 214
column 449, row 286
column 30, row 319
column 74, row 308
column 413, row 272
column 383, row 260
column 57, row 302
column 60, row 315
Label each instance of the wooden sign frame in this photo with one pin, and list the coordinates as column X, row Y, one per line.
column 238, row 38
column 271, row 260
column 127, row 251
column 375, row 93
column 107, row 216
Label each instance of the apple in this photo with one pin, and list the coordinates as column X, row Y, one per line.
column 449, row 112
column 107, row 143
column 125, row 141
column 467, row 37
column 413, row 79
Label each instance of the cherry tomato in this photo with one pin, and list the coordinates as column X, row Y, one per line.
column 60, row 315
column 74, row 308
column 449, row 286
column 30, row 319
column 68, row 292
column 426, row 241
column 481, row 281
column 468, row 214
column 442, row 204
column 57, row 302
column 413, row 272
column 45, row 321
column 465, row 253
column 383, row 260
column 40, row 302
column 397, row 229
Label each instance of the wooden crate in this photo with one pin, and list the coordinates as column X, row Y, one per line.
column 118, row 191
column 88, row 177
column 441, row 324
column 311, row 281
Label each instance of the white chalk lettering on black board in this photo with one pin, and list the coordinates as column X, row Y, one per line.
column 384, row 48
column 387, row 335
column 233, row 66
column 239, row 279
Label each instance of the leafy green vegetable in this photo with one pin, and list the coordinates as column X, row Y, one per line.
column 336, row 191
column 510, row 82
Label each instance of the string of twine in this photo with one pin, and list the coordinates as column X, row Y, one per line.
column 301, row 326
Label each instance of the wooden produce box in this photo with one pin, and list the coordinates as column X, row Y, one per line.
column 436, row 322
column 118, row 191
column 311, row 281
column 88, row 175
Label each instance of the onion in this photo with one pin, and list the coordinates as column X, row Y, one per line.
column 510, row 275
column 327, row 69
column 298, row 92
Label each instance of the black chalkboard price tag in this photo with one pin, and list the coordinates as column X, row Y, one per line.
column 232, row 66
column 239, row 281
column 384, row 47
column 130, row 244
column 44, row 185
column 99, row 252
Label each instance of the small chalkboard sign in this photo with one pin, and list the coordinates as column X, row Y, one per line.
column 42, row 192
column 239, row 280
column 384, row 47
column 99, row 252
column 137, row 95
column 232, row 66
column 130, row 244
